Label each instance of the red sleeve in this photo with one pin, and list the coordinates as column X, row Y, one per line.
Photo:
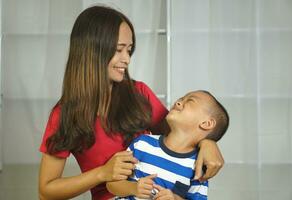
column 52, row 127
column 159, row 111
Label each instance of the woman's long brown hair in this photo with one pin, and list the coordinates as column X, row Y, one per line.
column 86, row 92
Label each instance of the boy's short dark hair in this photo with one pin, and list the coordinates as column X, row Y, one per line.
column 221, row 116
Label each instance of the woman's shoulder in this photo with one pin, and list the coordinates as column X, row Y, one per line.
column 55, row 114
column 139, row 84
column 142, row 87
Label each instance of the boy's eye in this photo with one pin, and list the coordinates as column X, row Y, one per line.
column 191, row 100
column 119, row 50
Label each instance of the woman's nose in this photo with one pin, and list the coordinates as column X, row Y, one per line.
column 126, row 58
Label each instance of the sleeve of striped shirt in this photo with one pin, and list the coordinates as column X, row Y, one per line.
column 198, row 191
column 180, row 189
column 131, row 147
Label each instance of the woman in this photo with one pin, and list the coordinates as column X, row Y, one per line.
column 101, row 110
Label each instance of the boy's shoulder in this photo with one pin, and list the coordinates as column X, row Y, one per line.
column 147, row 137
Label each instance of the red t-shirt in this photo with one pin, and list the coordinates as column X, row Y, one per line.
column 104, row 147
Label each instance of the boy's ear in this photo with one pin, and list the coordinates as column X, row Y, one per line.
column 208, row 124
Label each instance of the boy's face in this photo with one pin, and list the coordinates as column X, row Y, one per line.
column 190, row 110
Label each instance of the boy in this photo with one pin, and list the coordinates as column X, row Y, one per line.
column 166, row 163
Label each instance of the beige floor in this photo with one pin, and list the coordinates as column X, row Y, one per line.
column 235, row 182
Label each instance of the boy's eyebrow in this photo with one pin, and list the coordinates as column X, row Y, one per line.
column 194, row 97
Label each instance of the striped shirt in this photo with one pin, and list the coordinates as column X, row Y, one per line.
column 171, row 167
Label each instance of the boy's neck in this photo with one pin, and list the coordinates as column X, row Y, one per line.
column 180, row 142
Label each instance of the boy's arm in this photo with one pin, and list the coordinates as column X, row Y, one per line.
column 122, row 188
column 165, row 194
column 140, row 189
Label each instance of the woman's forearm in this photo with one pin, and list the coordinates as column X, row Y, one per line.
column 69, row 187
column 52, row 185
column 210, row 158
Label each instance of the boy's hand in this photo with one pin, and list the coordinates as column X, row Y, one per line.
column 165, row 194
column 145, row 186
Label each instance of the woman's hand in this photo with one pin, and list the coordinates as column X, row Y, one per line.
column 210, row 157
column 119, row 167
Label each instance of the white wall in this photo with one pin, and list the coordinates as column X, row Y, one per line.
column 239, row 50
column 35, row 45
column 1, row 131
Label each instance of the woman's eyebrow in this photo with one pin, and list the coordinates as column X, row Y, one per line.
column 124, row 45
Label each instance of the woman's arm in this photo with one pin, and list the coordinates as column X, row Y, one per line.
column 53, row 186
column 210, row 157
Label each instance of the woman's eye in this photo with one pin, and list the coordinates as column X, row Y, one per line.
column 119, row 50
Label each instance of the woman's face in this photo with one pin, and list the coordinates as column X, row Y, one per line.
column 120, row 61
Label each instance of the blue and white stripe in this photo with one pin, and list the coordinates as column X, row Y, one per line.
column 169, row 168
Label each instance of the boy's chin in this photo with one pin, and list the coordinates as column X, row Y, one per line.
column 170, row 118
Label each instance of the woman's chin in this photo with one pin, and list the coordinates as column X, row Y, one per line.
column 118, row 79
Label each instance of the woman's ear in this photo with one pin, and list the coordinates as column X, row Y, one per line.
column 208, row 124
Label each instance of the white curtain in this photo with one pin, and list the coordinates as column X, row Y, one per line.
column 35, row 47
column 1, row 131
column 240, row 50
